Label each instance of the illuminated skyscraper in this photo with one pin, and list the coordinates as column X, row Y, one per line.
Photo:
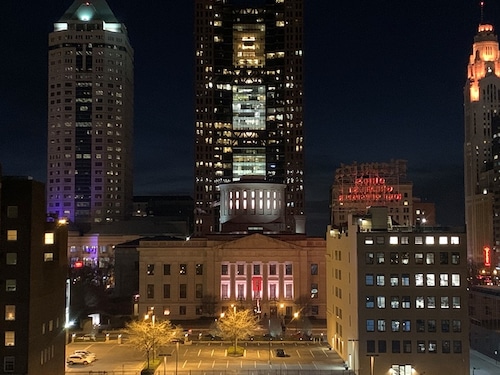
column 481, row 105
column 249, row 115
column 90, row 115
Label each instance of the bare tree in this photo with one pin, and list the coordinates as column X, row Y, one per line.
column 148, row 335
column 237, row 325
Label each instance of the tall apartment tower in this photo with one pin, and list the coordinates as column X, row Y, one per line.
column 481, row 106
column 90, row 115
column 249, row 114
column 33, row 271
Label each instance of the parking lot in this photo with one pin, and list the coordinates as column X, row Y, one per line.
column 122, row 358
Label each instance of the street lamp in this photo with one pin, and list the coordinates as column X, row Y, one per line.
column 164, row 355
column 295, row 316
column 176, row 356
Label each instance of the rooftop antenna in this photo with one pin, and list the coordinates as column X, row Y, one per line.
column 482, row 11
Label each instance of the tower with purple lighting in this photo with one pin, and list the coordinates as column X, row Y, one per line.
column 90, row 116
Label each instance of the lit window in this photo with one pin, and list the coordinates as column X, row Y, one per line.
column 455, row 302
column 380, row 280
column 429, row 240
column 431, row 302
column 429, row 258
column 12, row 235
column 419, row 240
column 10, row 338
column 10, row 312
column 443, row 240
column 431, row 279
column 443, row 279
column 405, row 240
column 455, row 279
column 381, row 302
column 48, row 257
column 445, row 302
column 369, row 241
column 393, row 240
column 419, row 279
column 454, row 240
column 49, row 238
column 419, row 302
column 381, row 325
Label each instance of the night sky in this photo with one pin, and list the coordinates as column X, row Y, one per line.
column 383, row 80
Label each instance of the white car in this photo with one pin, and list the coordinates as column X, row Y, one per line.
column 80, row 359
column 89, row 355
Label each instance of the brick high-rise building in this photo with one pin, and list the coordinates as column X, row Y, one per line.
column 90, row 115
column 249, row 116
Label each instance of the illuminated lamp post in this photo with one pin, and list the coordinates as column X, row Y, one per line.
column 295, row 317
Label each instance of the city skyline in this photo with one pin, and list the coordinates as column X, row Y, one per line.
column 375, row 75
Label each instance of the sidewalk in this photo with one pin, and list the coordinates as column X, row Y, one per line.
column 481, row 364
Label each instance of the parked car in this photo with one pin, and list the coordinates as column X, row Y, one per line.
column 281, row 353
column 91, row 356
column 86, row 337
column 80, row 359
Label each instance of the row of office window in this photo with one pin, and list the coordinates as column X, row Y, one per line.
column 257, row 269
column 421, row 346
column 421, row 302
column 167, row 269
column 417, row 240
column 419, row 279
column 420, row 325
column 405, row 257
column 150, row 291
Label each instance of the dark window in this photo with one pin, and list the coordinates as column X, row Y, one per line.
column 396, row 346
column 272, row 269
column 199, row 269
column 369, row 258
column 224, row 269
column 150, row 291
column 456, row 326
column 420, row 325
column 199, row 310
column 445, row 346
column 445, row 325
column 288, row 269
column 199, row 290
column 182, row 310
column 241, row 269
column 443, row 257
column 457, row 346
column 419, row 258
column 370, row 346
column 314, row 269
column 455, row 258
column 166, row 269
column 256, row 269
column 182, row 290
column 406, row 346
column 431, row 325
column 382, row 346
column 166, row 290
column 370, row 325
column 394, row 258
